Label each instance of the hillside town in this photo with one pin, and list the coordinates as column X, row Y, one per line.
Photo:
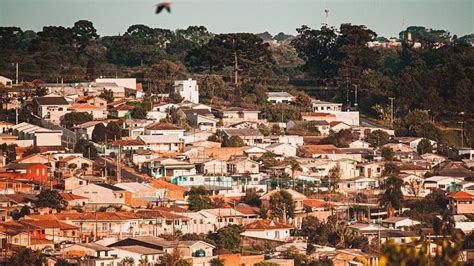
column 99, row 174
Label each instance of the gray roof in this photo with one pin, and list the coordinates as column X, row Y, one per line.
column 95, row 246
column 245, row 132
column 279, row 94
column 141, row 250
column 51, row 101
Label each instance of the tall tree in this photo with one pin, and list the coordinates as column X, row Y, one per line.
column 392, row 197
column 52, row 199
column 282, row 205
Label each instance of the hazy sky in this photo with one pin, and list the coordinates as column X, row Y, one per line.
column 386, row 17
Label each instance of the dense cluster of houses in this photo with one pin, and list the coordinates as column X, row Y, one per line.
column 120, row 204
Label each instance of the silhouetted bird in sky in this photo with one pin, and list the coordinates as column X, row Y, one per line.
column 161, row 6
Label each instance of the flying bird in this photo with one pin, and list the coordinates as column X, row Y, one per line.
column 161, row 6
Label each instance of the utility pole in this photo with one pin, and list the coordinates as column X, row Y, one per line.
column 391, row 111
column 118, row 166
column 236, row 68
column 462, row 133
column 355, row 96
column 16, row 66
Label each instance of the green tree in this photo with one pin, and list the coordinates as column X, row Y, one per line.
column 84, row 32
column 268, row 159
column 341, row 138
column 294, row 167
column 26, row 256
column 424, row 146
column 51, row 199
column 264, row 129
column 282, row 205
column 227, row 50
column 216, row 262
column 228, row 237
column 387, row 153
column 127, row 261
column 85, row 147
column 211, row 87
column 175, row 258
column 276, row 130
column 98, row 133
column 114, row 131
column 399, row 254
column 31, row 150
column 76, row 118
column 378, row 138
column 234, row 141
column 63, row 262
column 392, row 197
column 251, row 198
column 138, row 113
column 198, row 199
column 107, row 95
column 318, row 49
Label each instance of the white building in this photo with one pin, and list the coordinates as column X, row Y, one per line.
column 6, row 81
column 130, row 83
column 267, row 229
column 188, row 89
column 280, row 97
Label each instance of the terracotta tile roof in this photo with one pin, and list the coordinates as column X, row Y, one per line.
column 314, row 203
column 70, row 196
column 127, row 142
column 162, row 126
column 167, row 185
column 46, row 224
column 100, row 216
column 38, row 241
column 84, row 106
column 266, row 225
column 117, row 103
column 320, row 149
column 461, row 195
column 247, row 209
column 159, row 213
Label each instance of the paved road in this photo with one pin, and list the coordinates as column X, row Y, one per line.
column 367, row 123
column 127, row 173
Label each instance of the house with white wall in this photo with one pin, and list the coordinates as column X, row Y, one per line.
column 188, row 89
column 267, row 230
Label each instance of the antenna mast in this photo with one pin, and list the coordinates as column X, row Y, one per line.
column 326, row 17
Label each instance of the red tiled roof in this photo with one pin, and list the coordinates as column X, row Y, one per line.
column 119, row 102
column 266, row 225
column 314, row 203
column 247, row 209
column 84, row 106
column 70, row 196
column 44, row 224
column 167, row 185
column 322, row 149
column 127, row 142
column 461, row 195
column 100, row 216
column 162, row 126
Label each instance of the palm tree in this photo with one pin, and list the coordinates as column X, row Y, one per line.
column 393, row 196
column 334, row 174
column 294, row 166
column 127, row 261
